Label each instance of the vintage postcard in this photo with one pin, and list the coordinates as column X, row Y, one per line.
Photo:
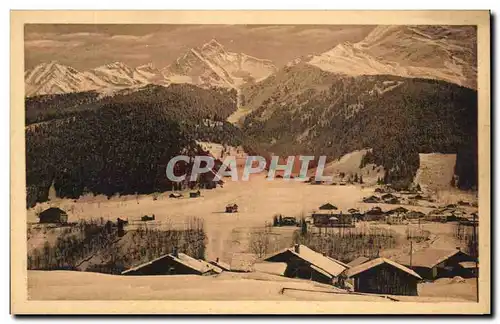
column 250, row 162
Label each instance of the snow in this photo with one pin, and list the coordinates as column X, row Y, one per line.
column 372, row 56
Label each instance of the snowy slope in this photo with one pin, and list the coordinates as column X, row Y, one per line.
column 55, row 78
column 435, row 52
column 52, row 77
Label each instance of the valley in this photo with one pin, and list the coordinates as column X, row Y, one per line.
column 395, row 114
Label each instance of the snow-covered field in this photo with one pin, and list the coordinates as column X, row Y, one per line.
column 228, row 239
column 71, row 285
column 258, row 200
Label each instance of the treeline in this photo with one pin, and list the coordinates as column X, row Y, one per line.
column 182, row 101
column 397, row 117
column 124, row 146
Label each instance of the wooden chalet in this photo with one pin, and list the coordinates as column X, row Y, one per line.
column 383, row 276
column 53, row 215
column 431, row 264
column 173, row 264
column 303, row 262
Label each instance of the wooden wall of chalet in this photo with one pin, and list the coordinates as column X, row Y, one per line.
column 386, row 279
column 298, row 268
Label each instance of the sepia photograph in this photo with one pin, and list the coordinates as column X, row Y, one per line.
column 335, row 161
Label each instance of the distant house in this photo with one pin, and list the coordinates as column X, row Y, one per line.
column 194, row 194
column 383, row 276
column 328, row 206
column 336, row 219
column 173, row 264
column 414, row 215
column 395, row 219
column 437, row 263
column 374, row 214
column 53, row 215
column 398, row 210
column 232, row 208
column 371, row 199
column 302, row 262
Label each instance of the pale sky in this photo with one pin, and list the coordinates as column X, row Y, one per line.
column 88, row 46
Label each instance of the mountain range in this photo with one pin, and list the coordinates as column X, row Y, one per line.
column 206, row 66
column 402, row 91
column 445, row 53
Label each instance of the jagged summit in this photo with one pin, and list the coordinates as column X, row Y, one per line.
column 211, row 65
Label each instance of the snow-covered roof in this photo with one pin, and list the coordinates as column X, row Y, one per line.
column 184, row 259
column 358, row 261
column 428, row 258
column 375, row 263
column 327, row 264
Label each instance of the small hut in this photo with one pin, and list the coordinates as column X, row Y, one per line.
column 53, row 215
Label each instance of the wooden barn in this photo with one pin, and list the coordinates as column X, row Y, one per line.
column 383, row 276
column 431, row 264
column 53, row 215
column 302, row 262
column 173, row 264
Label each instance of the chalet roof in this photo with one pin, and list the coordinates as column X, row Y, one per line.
column 397, row 210
column 354, row 271
column 428, row 258
column 53, row 211
column 329, row 265
column 223, row 265
column 345, row 265
column 184, row 259
column 358, row 261
column 328, row 206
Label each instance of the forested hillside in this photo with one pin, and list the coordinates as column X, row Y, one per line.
column 121, row 144
column 308, row 111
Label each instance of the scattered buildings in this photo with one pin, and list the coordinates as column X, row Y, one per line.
column 302, row 262
column 383, row 276
column 53, row 215
column 436, row 263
